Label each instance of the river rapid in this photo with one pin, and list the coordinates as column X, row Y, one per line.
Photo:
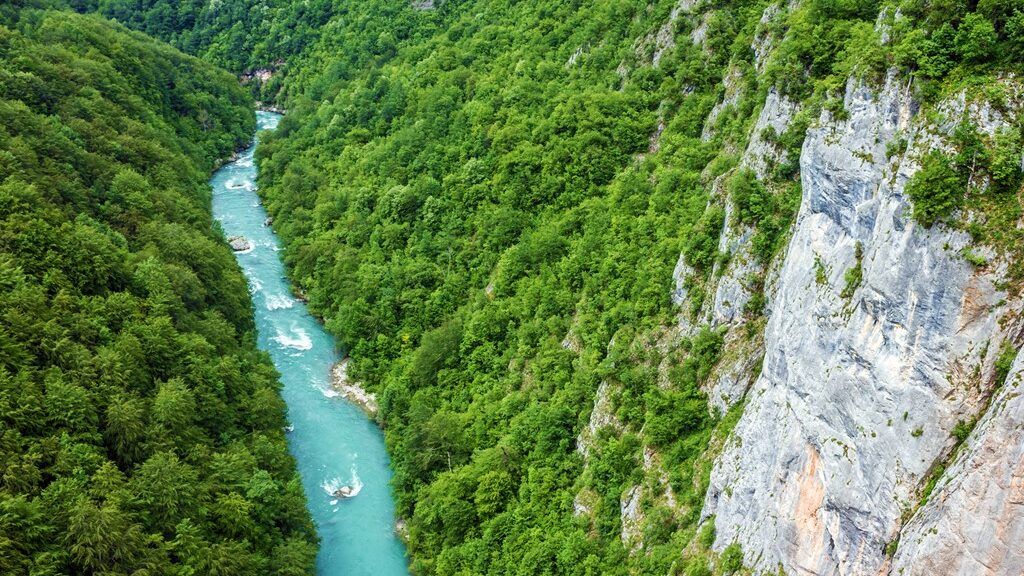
column 334, row 443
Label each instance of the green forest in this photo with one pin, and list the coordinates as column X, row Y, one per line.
column 140, row 429
column 484, row 201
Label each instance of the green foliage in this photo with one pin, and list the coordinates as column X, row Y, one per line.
column 1005, row 164
column 753, row 203
column 129, row 377
column 975, row 38
column 701, row 246
column 975, row 259
column 1004, row 362
column 854, row 276
column 962, row 430
column 820, row 274
column 731, row 560
column 706, row 536
column 936, row 190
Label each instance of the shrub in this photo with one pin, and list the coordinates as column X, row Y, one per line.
column 962, row 430
column 935, row 190
column 854, row 275
column 975, row 38
column 732, row 559
column 702, row 245
column 753, row 203
column 1005, row 166
column 1004, row 362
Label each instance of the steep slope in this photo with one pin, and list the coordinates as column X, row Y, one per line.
column 140, row 429
column 973, row 522
column 861, row 388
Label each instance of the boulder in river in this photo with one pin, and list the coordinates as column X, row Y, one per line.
column 239, row 243
column 268, row 221
column 344, row 492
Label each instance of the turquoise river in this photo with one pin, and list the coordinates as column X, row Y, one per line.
column 334, row 443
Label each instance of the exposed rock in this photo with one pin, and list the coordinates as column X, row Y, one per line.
column 664, row 38
column 601, row 416
column 733, row 84
column 239, row 244
column 735, row 370
column 973, row 522
column 574, row 57
column 402, row 530
column 732, row 292
column 632, row 516
column 679, row 275
column 856, row 398
column 777, row 113
column 700, row 32
column 351, row 390
column 763, row 41
column 584, row 502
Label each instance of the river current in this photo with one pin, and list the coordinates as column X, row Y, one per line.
column 333, row 442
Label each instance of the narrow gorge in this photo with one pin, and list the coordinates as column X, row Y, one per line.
column 622, row 287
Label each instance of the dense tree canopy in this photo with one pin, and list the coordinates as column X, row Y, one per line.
column 140, row 429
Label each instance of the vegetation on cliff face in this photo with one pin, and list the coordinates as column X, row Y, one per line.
column 140, row 429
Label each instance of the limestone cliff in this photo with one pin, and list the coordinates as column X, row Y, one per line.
column 862, row 385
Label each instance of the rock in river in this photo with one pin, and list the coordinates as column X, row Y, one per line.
column 239, row 244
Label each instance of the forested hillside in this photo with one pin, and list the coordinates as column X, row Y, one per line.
column 140, row 429
column 234, row 34
column 488, row 209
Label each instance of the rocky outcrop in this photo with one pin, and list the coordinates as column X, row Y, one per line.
column 736, row 281
column 352, row 390
column 776, row 114
column 857, row 395
column 973, row 523
column 239, row 244
column 632, row 517
column 603, row 415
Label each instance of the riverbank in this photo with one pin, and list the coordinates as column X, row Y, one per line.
column 262, row 107
column 351, row 390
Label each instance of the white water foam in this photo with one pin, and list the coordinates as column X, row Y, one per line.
column 297, row 339
column 334, row 484
column 330, row 393
column 279, row 302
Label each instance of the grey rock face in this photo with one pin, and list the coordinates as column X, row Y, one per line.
column 777, row 113
column 857, row 397
column 733, row 84
column 973, row 522
column 601, row 416
column 733, row 291
column 632, row 517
